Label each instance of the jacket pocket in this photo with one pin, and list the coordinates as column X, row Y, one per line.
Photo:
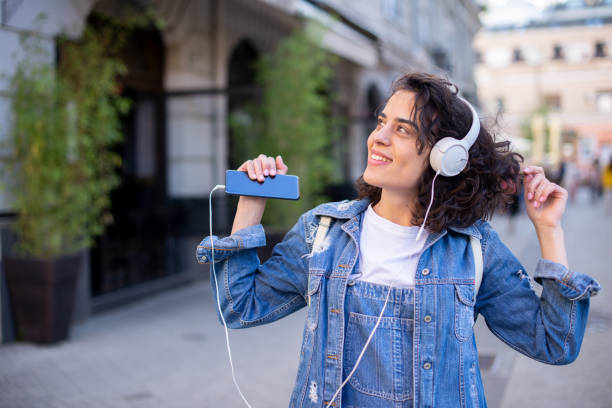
column 464, row 311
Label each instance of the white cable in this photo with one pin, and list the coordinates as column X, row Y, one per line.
column 429, row 207
column 212, row 246
column 362, row 351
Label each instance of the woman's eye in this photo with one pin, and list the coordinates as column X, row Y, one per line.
column 379, row 122
column 403, row 130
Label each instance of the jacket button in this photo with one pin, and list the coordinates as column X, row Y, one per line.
column 351, row 282
column 427, row 366
column 204, row 259
column 425, row 272
column 427, row 319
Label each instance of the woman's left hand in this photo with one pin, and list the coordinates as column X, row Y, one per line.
column 545, row 200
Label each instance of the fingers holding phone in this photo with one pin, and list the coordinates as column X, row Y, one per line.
column 263, row 166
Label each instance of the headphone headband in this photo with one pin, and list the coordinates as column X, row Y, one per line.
column 472, row 134
column 449, row 156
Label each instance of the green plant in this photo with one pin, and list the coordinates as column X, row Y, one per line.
column 65, row 118
column 293, row 120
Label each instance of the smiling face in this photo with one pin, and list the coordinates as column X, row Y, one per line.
column 394, row 163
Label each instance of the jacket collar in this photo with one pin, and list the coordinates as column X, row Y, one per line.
column 350, row 209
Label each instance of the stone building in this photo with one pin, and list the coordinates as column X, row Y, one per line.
column 196, row 71
column 560, row 63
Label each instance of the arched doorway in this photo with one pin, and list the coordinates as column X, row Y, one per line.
column 243, row 91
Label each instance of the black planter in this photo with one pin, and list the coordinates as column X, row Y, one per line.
column 42, row 293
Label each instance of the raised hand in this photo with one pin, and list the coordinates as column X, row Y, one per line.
column 545, row 200
column 263, row 166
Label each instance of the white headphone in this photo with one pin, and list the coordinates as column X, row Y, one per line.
column 449, row 156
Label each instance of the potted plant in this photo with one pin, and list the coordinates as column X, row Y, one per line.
column 65, row 117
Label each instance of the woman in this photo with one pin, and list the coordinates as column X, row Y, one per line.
column 417, row 296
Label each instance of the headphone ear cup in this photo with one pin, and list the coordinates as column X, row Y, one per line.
column 448, row 157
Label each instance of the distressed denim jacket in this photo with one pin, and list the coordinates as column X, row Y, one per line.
column 548, row 328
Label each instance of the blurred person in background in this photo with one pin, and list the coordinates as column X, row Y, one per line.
column 390, row 314
column 595, row 181
column 571, row 177
column 606, row 181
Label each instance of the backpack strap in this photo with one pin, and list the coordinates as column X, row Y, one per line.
column 477, row 252
column 324, row 224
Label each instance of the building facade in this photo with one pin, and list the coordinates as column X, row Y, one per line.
column 197, row 71
column 551, row 80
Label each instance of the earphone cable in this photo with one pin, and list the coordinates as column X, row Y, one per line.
column 428, row 207
column 212, row 247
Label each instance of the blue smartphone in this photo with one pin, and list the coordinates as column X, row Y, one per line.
column 281, row 186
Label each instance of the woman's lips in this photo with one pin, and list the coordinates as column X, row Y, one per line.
column 378, row 159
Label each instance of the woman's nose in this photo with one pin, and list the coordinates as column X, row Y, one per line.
column 382, row 135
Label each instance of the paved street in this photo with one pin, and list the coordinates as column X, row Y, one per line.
column 169, row 351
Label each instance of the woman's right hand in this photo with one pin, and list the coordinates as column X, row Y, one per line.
column 250, row 209
column 263, row 166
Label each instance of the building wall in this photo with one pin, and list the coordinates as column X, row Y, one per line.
column 574, row 85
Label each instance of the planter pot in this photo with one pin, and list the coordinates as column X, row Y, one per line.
column 42, row 293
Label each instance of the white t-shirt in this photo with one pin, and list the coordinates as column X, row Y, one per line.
column 388, row 252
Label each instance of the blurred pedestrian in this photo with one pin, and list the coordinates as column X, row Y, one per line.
column 571, row 178
column 606, row 181
column 390, row 311
column 595, row 181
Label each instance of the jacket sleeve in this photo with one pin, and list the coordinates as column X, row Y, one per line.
column 548, row 328
column 252, row 293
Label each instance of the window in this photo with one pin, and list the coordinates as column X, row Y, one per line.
column 517, row 55
column 557, row 52
column 600, row 49
column 553, row 101
column 603, row 100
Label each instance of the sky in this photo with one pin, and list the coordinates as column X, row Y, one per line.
column 512, row 11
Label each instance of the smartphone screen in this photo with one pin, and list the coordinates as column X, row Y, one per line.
column 281, row 186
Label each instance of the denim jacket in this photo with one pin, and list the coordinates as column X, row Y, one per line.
column 548, row 328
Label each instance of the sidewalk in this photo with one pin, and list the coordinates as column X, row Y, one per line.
column 586, row 383
column 169, row 351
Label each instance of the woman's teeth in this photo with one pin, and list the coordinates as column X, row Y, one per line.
column 380, row 158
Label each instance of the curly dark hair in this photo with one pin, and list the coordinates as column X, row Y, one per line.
column 488, row 181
